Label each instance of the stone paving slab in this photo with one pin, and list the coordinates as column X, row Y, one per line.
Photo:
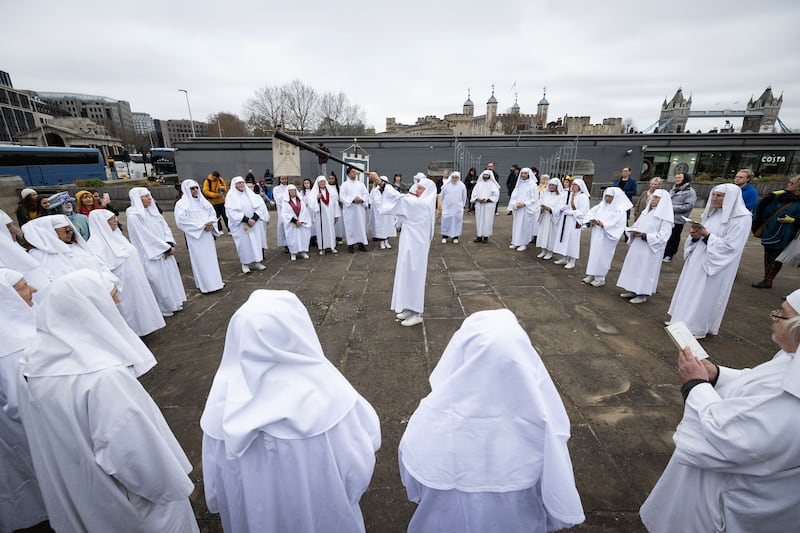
column 611, row 361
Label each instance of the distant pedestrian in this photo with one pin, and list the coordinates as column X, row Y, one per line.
column 470, row 181
column 776, row 223
column 323, row 160
column 683, row 198
column 511, row 180
column 627, row 184
column 743, row 179
column 214, row 189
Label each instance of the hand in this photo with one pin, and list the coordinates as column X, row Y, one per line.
column 786, row 220
column 335, row 220
column 711, row 368
column 689, row 367
column 598, row 223
column 208, row 227
column 520, row 205
column 373, row 177
column 298, row 223
column 358, row 200
column 251, row 222
column 698, row 232
column 319, row 196
column 169, row 252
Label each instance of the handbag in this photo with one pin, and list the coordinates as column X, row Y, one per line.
column 759, row 230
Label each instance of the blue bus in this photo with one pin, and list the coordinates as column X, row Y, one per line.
column 38, row 165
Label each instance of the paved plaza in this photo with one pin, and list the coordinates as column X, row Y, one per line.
column 611, row 361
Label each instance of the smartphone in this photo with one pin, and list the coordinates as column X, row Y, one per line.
column 106, row 198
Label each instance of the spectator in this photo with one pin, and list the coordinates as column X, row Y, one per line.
column 28, row 207
column 776, row 222
column 749, row 193
column 683, row 200
column 645, row 197
column 214, row 189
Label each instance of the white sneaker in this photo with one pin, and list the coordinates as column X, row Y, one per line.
column 627, row 294
column 304, row 255
column 383, row 245
column 334, row 250
column 547, row 256
column 389, row 246
column 570, row 265
column 598, row 283
column 257, row 266
column 638, row 300
column 412, row 320
column 293, row 258
column 541, row 255
column 404, row 314
column 322, row 252
column 444, row 240
column 668, row 322
column 587, row 279
column 455, row 241
column 522, row 248
column 512, row 246
column 667, row 260
column 562, row 261
column 245, row 269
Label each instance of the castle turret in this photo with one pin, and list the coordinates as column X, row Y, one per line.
column 676, row 109
column 541, row 110
column 491, row 111
column 763, row 112
column 469, row 107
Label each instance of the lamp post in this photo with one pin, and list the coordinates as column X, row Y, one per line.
column 191, row 121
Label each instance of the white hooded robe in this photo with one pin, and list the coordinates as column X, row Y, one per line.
column 191, row 216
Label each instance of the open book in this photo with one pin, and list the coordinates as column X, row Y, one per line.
column 682, row 338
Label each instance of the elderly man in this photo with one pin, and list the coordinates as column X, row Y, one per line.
column 196, row 218
column 712, row 254
column 418, row 210
column 454, row 195
column 737, row 449
column 485, row 196
column 354, row 196
column 524, row 205
column 248, row 218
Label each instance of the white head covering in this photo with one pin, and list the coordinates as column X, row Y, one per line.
column 80, row 331
column 557, row 183
column 582, row 185
column 273, row 377
column 135, row 196
column 493, row 421
column 189, row 202
column 245, row 201
column 24, row 193
column 620, row 201
column 491, row 177
column 456, row 173
column 430, row 186
column 41, row 234
column 664, row 208
column 110, row 245
column 732, row 205
column 18, row 326
column 532, row 177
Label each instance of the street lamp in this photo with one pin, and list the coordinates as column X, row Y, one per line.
column 191, row 121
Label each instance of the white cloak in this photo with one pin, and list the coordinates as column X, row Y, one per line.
column 642, row 265
column 604, row 239
column 250, row 241
column 408, row 291
column 484, row 212
column 737, row 451
column 354, row 215
column 568, row 241
column 526, row 192
column 297, row 238
column 382, row 226
column 326, row 217
column 309, row 202
column 454, row 196
column 279, row 193
column 191, row 216
column 550, row 221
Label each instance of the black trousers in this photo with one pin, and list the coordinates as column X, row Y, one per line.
column 674, row 241
column 219, row 209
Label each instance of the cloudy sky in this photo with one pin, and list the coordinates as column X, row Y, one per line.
column 615, row 58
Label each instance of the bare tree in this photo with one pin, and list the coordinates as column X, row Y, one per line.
column 264, row 109
column 301, row 102
column 338, row 116
column 224, row 124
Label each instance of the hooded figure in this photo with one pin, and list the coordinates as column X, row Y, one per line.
column 153, row 240
column 607, row 220
column 328, row 213
column 297, row 220
column 103, row 453
column 711, row 258
column 21, row 504
column 485, row 195
column 14, row 257
column 524, row 204
column 137, row 305
column 454, row 196
column 354, row 197
column 552, row 203
column 568, row 241
column 247, row 219
column 381, row 226
column 486, row 450
column 288, row 444
column 196, row 218
column 646, row 242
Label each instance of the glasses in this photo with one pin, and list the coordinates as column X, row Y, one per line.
column 776, row 315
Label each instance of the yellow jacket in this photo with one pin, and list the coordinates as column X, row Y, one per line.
column 214, row 189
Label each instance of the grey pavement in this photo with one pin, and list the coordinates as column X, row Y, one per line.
column 611, row 361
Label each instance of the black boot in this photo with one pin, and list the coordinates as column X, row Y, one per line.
column 486, row 239
column 351, row 248
column 478, row 239
column 361, row 247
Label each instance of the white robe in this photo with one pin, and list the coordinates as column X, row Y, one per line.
column 151, row 237
column 354, row 215
column 191, row 219
column 550, row 221
column 737, row 451
column 309, row 203
column 250, row 241
column 279, row 193
column 326, row 219
column 568, row 241
column 526, row 192
column 408, row 291
column 104, row 454
column 454, row 196
column 709, row 270
column 382, row 226
column 297, row 238
column 642, row 265
column 604, row 239
column 484, row 212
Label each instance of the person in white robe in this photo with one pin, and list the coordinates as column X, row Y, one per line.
column 305, row 194
column 288, row 443
column 278, row 196
column 14, row 257
column 524, row 205
column 552, row 203
column 297, row 220
column 568, row 240
column 8, row 229
column 137, row 303
column 104, row 456
column 418, row 211
column 60, row 249
column 454, row 197
column 711, row 256
column 485, row 196
column 382, row 226
column 196, row 218
column 737, row 448
column 646, row 242
column 607, row 220
column 333, row 183
column 153, row 240
column 354, row 197
column 486, row 450
column 247, row 219
column 326, row 205
column 21, row 504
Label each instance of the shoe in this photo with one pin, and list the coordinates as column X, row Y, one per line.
column 541, row 254
column 286, row 249
column 293, row 257
column 383, row 245
column 444, row 240
column 351, row 248
column 478, row 239
column 512, row 246
column 455, row 241
column 522, row 248
column 497, row 214
column 404, row 314
column 570, row 265
column 334, row 251
column 598, row 283
column 547, row 256
column 699, row 337
column 245, row 269
column 412, row 320
column 668, row 322
column 166, row 314
column 322, row 252
column 638, row 300
column 667, row 260
column 562, row 261
column 627, row 294
column 388, row 246
column 508, row 213
column 486, row 239
column 304, row 255
column 257, row 266
column 361, row 247
column 587, row 279
column 763, row 284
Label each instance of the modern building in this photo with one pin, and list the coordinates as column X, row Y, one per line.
column 72, row 132
column 18, row 111
column 170, row 132
column 99, row 109
column 143, row 123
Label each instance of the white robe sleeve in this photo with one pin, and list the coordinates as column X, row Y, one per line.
column 152, row 246
column 658, row 239
column 615, row 227
column 390, row 202
column 193, row 227
column 725, row 248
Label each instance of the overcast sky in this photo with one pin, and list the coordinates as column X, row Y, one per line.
column 410, row 58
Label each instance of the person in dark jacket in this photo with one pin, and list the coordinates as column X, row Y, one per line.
column 627, row 184
column 683, row 200
column 470, row 181
column 776, row 221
